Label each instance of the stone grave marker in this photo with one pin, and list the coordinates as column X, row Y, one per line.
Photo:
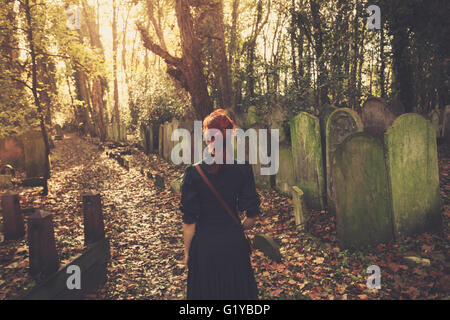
column 41, row 240
column 341, row 123
column 360, row 192
column 376, row 116
column 285, row 178
column 268, row 246
column 414, row 175
column 35, row 155
column 307, row 158
column 13, row 226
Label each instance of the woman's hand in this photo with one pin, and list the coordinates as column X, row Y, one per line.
column 248, row 223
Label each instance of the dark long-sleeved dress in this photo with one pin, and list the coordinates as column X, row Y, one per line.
column 219, row 262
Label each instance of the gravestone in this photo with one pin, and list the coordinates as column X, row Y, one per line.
column 59, row 135
column 301, row 215
column 414, row 177
column 146, row 133
column 35, row 155
column 376, row 116
column 360, row 192
column 94, row 229
column 307, row 158
column 13, row 226
column 268, row 246
column 285, row 178
column 160, row 140
column 41, row 242
column 434, row 116
column 167, row 144
column 5, row 181
column 11, row 151
column 341, row 123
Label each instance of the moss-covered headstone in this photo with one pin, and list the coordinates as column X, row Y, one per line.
column 35, row 155
column 341, row 123
column 360, row 192
column 307, row 158
column 285, row 179
column 414, row 177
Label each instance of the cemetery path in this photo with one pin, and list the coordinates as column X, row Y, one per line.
column 144, row 227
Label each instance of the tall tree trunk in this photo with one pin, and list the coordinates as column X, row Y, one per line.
column 98, row 82
column 382, row 63
column 116, row 88
column 401, row 69
column 189, row 68
column 220, row 63
column 32, row 50
column 318, row 45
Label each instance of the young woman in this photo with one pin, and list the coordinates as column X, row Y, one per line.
column 216, row 249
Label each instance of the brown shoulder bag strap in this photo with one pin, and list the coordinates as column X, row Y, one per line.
column 216, row 194
column 224, row 204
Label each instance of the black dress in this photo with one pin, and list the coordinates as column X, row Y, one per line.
column 219, row 261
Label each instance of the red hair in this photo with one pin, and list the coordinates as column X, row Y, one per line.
column 220, row 120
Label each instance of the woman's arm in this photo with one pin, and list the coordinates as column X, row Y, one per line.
column 248, row 223
column 188, row 231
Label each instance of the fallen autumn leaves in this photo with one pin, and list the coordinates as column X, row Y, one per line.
column 144, row 227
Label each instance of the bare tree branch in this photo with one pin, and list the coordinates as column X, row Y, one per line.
column 156, row 49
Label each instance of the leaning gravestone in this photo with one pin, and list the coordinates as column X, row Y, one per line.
column 35, row 155
column 360, row 192
column 307, row 158
column 414, row 177
column 340, row 124
column 284, row 178
column 376, row 116
column 268, row 246
column 301, row 215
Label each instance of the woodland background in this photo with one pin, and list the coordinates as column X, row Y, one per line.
column 147, row 61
